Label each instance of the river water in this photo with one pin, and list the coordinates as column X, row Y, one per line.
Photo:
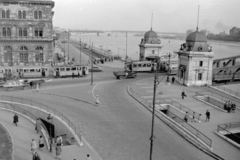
column 118, row 43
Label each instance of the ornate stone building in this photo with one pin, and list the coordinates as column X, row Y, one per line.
column 26, row 32
column 195, row 59
column 150, row 46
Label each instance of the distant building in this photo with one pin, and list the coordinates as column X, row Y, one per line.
column 26, row 32
column 195, row 59
column 150, row 46
column 234, row 32
column 63, row 35
column 223, row 34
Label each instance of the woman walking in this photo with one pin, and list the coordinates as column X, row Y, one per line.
column 41, row 142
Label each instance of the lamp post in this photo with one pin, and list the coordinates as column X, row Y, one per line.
column 126, row 48
column 156, row 82
column 92, row 66
column 64, row 50
column 68, row 45
column 80, row 60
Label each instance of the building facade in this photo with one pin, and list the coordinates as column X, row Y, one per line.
column 195, row 60
column 234, row 32
column 26, row 32
column 150, row 46
column 63, row 35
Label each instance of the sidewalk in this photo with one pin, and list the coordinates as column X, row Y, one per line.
column 24, row 133
column 221, row 147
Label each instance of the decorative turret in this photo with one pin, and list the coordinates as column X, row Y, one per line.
column 150, row 46
column 195, row 61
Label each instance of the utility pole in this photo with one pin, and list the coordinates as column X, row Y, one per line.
column 126, row 48
column 92, row 66
column 68, row 44
column 153, row 109
column 80, row 60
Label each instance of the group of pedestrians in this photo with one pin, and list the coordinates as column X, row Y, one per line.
column 230, row 106
column 34, row 147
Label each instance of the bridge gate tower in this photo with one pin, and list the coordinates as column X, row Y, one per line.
column 195, row 59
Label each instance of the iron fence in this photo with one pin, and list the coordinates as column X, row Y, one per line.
column 228, row 91
column 224, row 129
column 217, row 98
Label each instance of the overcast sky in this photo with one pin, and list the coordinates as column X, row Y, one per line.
column 168, row 15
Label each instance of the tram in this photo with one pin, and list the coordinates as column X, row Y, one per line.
column 66, row 71
column 42, row 71
column 140, row 66
column 148, row 66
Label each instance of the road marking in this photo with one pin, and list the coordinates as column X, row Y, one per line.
column 141, row 83
column 151, row 91
column 147, row 87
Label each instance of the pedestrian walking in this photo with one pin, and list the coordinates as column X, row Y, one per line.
column 207, row 116
column 33, row 146
column 78, row 75
column 88, row 157
column 41, row 142
column 97, row 100
column 38, row 125
column 183, row 94
column 58, row 151
column 36, row 156
column 15, row 119
column 59, row 140
column 173, row 79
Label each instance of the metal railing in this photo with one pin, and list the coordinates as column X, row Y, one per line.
column 176, row 118
column 51, row 110
column 18, row 109
column 228, row 91
column 216, row 102
column 190, row 128
column 225, row 128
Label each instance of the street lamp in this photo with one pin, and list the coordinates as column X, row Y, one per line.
column 169, row 55
column 156, row 82
column 64, row 50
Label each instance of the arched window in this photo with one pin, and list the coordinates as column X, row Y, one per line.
column 4, row 32
column 39, row 14
column 8, row 14
column 23, row 54
column 39, row 54
column 19, row 14
column 25, row 32
column 7, row 54
column 24, row 15
column 3, row 14
column 20, row 32
column 9, row 33
column 35, row 15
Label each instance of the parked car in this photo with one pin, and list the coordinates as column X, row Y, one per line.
column 95, row 69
